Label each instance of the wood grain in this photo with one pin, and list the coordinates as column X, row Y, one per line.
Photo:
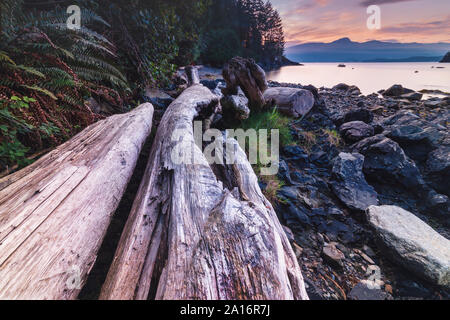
column 55, row 212
column 201, row 231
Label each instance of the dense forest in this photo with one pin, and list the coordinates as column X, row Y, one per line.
column 49, row 70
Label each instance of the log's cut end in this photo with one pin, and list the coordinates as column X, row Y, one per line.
column 55, row 213
column 290, row 101
column 201, row 231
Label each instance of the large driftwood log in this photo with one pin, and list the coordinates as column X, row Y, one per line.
column 290, row 101
column 246, row 74
column 189, row 237
column 55, row 212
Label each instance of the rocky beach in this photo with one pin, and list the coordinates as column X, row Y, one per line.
column 364, row 192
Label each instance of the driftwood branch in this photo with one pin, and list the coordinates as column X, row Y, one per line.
column 55, row 212
column 251, row 78
column 197, row 231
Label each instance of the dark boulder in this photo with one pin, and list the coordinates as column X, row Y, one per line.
column 396, row 91
column 356, row 131
column 413, row 96
column 438, row 169
column 288, row 193
column 341, row 87
column 415, row 135
column 298, row 214
column 359, row 114
column 296, row 155
column 386, row 162
column 347, row 89
column 158, row 98
column 210, row 84
column 284, row 172
column 349, row 183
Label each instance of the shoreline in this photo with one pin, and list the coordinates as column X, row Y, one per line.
column 315, row 219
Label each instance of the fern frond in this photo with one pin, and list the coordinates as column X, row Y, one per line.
column 30, row 70
column 5, row 58
column 41, row 90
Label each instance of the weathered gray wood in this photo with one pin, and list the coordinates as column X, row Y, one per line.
column 290, row 101
column 192, row 75
column 55, row 212
column 246, row 74
column 190, row 237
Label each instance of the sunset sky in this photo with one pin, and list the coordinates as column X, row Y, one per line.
column 401, row 20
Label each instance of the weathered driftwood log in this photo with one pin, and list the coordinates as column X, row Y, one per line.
column 192, row 75
column 55, row 212
column 188, row 236
column 246, row 74
column 290, row 101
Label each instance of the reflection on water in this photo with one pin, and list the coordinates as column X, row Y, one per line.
column 369, row 77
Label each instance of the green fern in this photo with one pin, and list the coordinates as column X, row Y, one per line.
column 41, row 90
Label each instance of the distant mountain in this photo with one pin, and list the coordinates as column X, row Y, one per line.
column 446, row 59
column 345, row 50
column 410, row 59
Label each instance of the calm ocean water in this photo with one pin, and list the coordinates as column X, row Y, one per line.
column 369, row 77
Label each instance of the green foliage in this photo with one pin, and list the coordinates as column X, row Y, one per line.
column 221, row 45
column 12, row 150
column 47, row 71
column 255, row 23
column 270, row 120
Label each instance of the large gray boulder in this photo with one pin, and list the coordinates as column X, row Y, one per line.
column 293, row 102
column 412, row 243
column 349, row 183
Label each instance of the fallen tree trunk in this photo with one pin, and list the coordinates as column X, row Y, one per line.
column 188, row 236
column 55, row 212
column 290, row 101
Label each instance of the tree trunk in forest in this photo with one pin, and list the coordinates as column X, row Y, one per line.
column 245, row 73
column 290, row 101
column 55, row 212
column 200, row 231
